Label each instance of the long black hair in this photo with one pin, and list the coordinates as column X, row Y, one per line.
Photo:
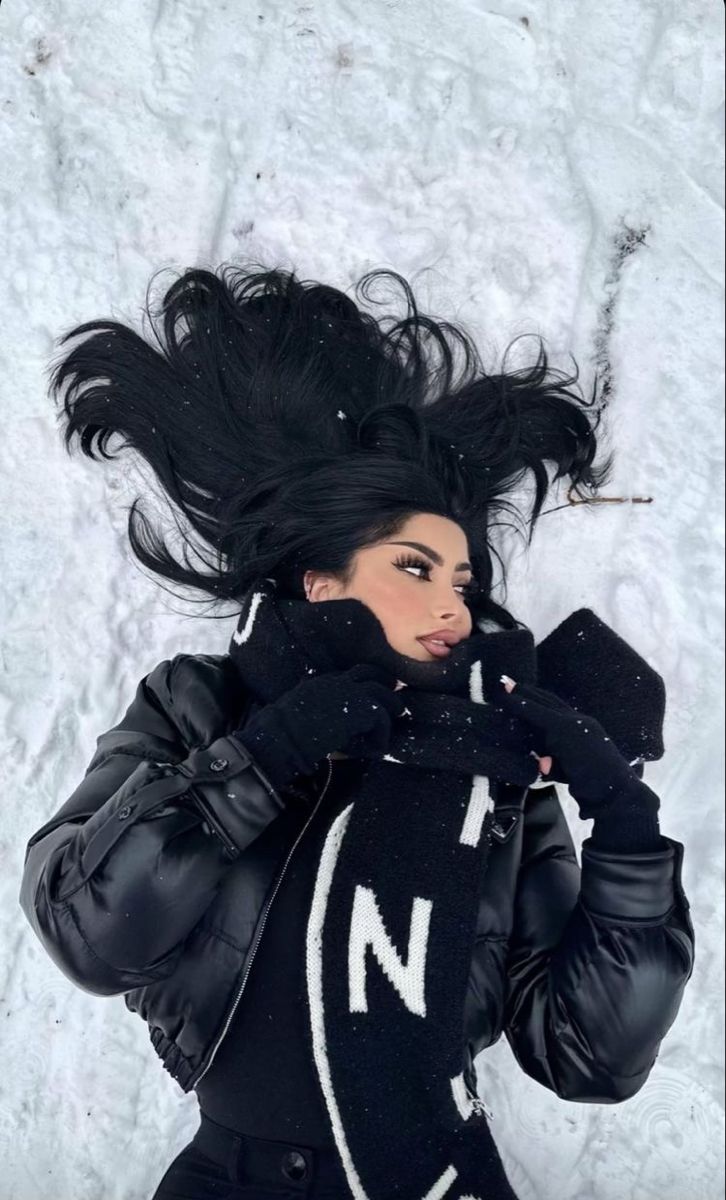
column 290, row 428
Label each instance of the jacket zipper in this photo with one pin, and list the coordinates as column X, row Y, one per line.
column 258, row 937
column 478, row 1104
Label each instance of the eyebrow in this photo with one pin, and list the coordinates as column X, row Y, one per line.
column 462, row 566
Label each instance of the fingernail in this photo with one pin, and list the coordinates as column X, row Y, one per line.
column 508, row 683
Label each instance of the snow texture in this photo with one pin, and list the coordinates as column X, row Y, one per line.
column 559, row 169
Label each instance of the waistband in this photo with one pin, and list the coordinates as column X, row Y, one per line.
column 260, row 1160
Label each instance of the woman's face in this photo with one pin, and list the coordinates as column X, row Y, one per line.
column 413, row 590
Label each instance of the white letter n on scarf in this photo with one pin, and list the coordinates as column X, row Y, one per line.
column 367, row 929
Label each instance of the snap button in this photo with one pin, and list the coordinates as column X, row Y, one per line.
column 125, row 812
column 294, row 1165
column 218, row 764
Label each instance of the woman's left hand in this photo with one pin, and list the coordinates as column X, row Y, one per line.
column 595, row 771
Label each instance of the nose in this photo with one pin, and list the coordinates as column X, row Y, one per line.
column 445, row 613
column 448, row 617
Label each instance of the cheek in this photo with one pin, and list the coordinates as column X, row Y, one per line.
column 398, row 610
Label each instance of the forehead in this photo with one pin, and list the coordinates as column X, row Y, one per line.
column 440, row 533
column 441, row 540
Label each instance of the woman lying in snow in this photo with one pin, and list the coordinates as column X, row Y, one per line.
column 330, row 867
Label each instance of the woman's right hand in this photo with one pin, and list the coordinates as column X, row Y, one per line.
column 323, row 713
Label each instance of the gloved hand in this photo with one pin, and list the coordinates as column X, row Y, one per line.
column 332, row 711
column 438, row 731
column 593, row 768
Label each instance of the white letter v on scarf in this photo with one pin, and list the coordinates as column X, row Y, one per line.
column 367, row 929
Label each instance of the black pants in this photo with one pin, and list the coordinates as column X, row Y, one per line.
column 219, row 1164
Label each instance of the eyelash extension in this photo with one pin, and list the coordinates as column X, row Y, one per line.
column 409, row 560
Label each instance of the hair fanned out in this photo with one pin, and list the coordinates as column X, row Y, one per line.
column 289, row 427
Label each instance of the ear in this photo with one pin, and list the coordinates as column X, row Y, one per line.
column 319, row 586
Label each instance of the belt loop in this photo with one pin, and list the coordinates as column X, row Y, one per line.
column 233, row 1159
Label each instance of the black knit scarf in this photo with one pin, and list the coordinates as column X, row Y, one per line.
column 393, row 915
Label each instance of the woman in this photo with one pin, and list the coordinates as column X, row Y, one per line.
column 379, row 767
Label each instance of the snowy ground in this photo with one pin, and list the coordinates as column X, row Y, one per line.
column 513, row 149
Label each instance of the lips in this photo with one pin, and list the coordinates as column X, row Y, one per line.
column 435, row 647
column 442, row 635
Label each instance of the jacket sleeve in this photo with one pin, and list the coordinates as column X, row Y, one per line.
column 598, row 959
column 116, row 880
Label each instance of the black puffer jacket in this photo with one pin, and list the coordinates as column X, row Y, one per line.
column 154, row 878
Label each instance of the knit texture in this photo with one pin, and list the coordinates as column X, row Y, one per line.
column 628, row 826
column 606, row 678
column 393, row 916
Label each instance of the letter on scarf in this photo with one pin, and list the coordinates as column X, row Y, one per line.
column 367, row 929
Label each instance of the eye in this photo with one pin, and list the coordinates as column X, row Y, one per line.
column 410, row 562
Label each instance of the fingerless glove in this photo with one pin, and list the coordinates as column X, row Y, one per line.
column 338, row 710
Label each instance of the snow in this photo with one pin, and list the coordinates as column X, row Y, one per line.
column 551, row 168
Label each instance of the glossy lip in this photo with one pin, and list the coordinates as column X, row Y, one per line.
column 436, row 651
column 443, row 635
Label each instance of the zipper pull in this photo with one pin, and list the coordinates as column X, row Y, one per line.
column 479, row 1105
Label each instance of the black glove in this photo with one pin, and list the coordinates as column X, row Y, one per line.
column 338, row 710
column 440, row 731
column 605, row 786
